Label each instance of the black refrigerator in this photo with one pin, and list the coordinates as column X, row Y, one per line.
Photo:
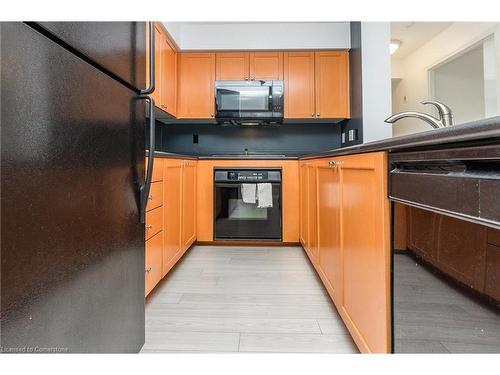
column 73, row 123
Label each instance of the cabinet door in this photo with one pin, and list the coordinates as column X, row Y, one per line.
column 172, row 205
column 159, row 40
column 312, row 212
column 299, row 84
column 232, row 66
column 196, row 78
column 266, row 66
column 169, row 77
column 188, row 203
column 328, row 197
column 332, row 84
column 153, row 261
column 303, row 204
column 365, row 300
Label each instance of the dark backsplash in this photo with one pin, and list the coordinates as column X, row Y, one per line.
column 288, row 139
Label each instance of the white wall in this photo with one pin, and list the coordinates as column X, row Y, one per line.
column 413, row 70
column 259, row 35
column 376, row 76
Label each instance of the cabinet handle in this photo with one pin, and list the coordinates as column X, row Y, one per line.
column 211, row 115
column 317, row 114
column 312, row 114
column 150, row 198
column 148, row 270
column 149, row 226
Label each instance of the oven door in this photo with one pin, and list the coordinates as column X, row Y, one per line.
column 243, row 101
column 236, row 220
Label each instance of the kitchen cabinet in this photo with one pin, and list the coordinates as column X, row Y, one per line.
column 153, row 262
column 158, row 54
column 249, row 66
column 196, row 79
column 172, row 213
column 154, row 230
column 188, row 203
column 312, row 210
column 332, row 84
column 316, row 84
column 364, row 223
column 492, row 278
column 168, row 79
column 299, row 85
column 232, row 66
column 303, row 203
column 267, row 66
column 329, row 251
column 353, row 245
column 289, row 201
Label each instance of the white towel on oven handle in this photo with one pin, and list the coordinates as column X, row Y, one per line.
column 248, row 193
column 265, row 195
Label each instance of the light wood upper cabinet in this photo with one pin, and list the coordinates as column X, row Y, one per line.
column 169, row 77
column 188, row 203
column 241, row 66
column 232, row 66
column 267, row 66
column 332, row 84
column 159, row 39
column 316, row 84
column 299, row 84
column 196, row 78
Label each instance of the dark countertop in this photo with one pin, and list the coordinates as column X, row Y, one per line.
column 487, row 130
column 481, row 131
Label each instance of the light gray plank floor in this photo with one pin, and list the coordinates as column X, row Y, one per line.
column 433, row 317
column 247, row 299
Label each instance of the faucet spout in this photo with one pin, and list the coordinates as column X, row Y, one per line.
column 445, row 115
column 431, row 120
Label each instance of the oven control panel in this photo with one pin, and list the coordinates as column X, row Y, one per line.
column 247, row 175
column 244, row 175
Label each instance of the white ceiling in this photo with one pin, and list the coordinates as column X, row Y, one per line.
column 413, row 35
column 259, row 35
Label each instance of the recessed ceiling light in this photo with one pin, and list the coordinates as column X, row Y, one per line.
column 395, row 44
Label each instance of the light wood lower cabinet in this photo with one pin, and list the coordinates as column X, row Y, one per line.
column 188, row 203
column 352, row 229
column 171, row 223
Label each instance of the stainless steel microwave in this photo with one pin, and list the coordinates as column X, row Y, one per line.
column 259, row 101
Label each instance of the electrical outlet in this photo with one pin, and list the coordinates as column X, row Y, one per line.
column 343, row 137
column 353, row 135
column 195, row 138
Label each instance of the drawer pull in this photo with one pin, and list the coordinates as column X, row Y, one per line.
column 149, row 226
column 150, row 197
column 148, row 270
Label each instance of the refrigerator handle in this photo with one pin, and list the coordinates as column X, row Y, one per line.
column 151, row 87
column 144, row 189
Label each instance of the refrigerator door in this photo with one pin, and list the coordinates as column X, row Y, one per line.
column 120, row 47
column 72, row 158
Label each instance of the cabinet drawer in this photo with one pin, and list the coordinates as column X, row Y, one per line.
column 154, row 221
column 155, row 198
column 157, row 169
column 153, row 263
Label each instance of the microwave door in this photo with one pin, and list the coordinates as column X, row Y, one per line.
column 240, row 102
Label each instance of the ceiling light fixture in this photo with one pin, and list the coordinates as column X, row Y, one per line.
column 394, row 45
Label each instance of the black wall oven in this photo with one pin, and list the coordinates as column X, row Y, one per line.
column 237, row 218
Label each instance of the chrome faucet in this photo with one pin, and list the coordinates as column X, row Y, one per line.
column 445, row 115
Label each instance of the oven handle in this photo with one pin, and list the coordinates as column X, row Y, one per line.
column 234, row 184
